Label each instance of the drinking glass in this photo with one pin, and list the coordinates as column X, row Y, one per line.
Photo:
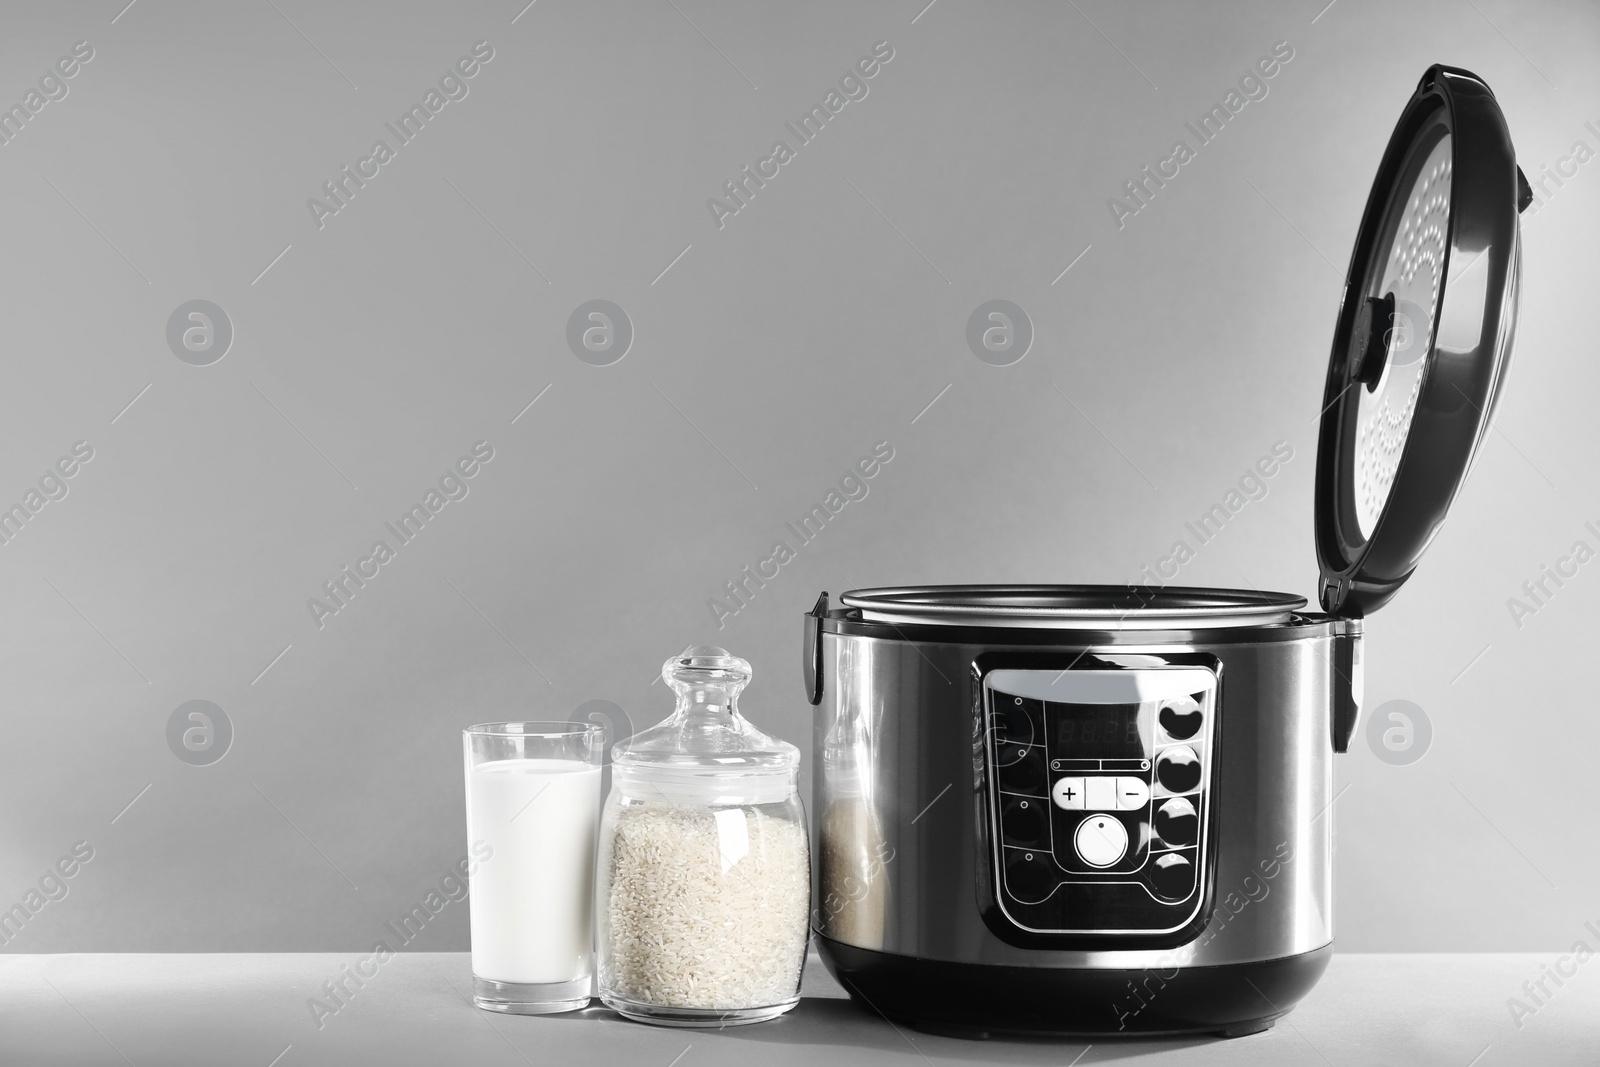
column 533, row 812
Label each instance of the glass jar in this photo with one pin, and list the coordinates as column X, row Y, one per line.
column 703, row 881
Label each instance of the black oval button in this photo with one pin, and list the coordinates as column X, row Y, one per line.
column 1006, row 754
column 1021, row 769
column 1012, row 721
column 1180, row 719
column 1177, row 822
column 1023, row 822
column 1172, row 876
column 1179, row 769
column 1030, row 876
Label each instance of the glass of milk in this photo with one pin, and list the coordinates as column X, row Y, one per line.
column 533, row 813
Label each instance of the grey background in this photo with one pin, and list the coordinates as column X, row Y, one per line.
column 824, row 317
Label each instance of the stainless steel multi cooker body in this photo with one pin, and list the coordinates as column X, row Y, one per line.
column 1083, row 818
column 1104, row 809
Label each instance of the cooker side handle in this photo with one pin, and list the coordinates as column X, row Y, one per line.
column 811, row 650
column 1348, row 681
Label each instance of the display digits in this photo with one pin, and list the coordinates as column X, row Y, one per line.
column 1104, row 731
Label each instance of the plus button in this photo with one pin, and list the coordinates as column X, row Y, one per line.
column 1068, row 794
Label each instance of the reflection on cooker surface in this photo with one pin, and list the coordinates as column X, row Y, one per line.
column 853, row 873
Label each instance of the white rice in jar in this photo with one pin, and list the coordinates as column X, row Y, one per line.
column 705, row 908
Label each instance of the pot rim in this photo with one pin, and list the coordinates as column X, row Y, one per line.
column 1096, row 607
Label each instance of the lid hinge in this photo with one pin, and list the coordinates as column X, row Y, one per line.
column 1349, row 682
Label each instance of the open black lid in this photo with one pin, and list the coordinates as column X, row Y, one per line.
column 1422, row 341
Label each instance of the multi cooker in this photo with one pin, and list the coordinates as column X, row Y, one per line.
column 1109, row 809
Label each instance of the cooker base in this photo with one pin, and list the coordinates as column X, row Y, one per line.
column 978, row 1000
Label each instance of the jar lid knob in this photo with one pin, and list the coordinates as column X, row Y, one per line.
column 699, row 664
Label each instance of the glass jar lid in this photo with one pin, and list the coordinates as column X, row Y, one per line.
column 706, row 752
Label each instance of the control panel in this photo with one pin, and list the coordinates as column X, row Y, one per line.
column 1099, row 796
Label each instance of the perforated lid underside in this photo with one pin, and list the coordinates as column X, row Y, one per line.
column 1414, row 273
column 1423, row 336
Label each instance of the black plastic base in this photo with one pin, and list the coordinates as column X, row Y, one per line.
column 977, row 1000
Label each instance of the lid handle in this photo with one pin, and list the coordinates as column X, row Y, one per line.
column 1373, row 331
column 811, row 650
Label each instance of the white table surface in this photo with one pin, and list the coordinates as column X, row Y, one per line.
column 246, row 1009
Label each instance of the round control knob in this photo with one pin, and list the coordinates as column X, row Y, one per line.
column 1178, row 769
column 1101, row 840
column 1180, row 719
column 1177, row 822
column 1172, row 876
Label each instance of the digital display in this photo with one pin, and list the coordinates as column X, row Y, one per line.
column 1097, row 731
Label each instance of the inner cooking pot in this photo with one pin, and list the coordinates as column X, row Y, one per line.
column 1100, row 809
